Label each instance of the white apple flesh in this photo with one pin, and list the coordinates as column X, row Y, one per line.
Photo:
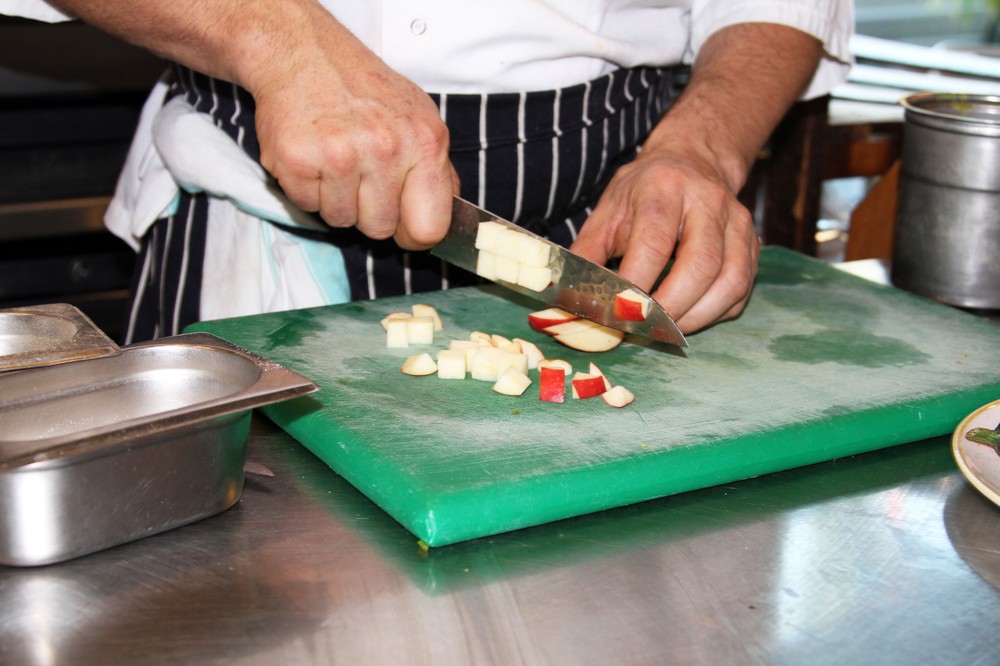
column 512, row 382
column 618, row 397
column 419, row 365
column 586, row 335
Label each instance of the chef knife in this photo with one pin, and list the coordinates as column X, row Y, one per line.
column 578, row 286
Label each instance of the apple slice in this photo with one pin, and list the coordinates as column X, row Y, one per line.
column 631, row 305
column 422, row 310
column 618, row 397
column 512, row 382
column 544, row 319
column 586, row 385
column 499, row 341
column 419, row 365
column 552, row 383
column 586, row 335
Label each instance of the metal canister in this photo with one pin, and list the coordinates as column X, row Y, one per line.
column 947, row 237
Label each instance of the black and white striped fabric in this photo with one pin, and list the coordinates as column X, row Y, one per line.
column 540, row 159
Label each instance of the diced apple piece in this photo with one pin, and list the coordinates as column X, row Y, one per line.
column 508, row 243
column 512, row 382
column 396, row 336
column 631, row 305
column 552, row 383
column 420, row 330
column 393, row 315
column 514, row 360
column 419, row 365
column 422, row 310
column 486, row 364
column 586, row 385
column 486, row 235
column 532, row 251
column 499, row 341
column 451, row 364
column 534, row 278
column 531, row 350
column 462, row 345
column 619, row 396
column 556, row 363
column 544, row 319
column 486, row 265
column 586, row 335
column 481, row 338
column 594, row 370
column 507, row 269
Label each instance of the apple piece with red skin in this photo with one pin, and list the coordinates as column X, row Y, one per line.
column 543, row 319
column 594, row 370
column 551, row 383
column 531, row 350
column 556, row 363
column 586, row 335
column 618, row 397
column 631, row 305
column 586, row 385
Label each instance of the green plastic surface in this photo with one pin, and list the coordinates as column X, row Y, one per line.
column 822, row 364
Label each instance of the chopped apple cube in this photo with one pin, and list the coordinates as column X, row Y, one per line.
column 422, row 310
column 507, row 269
column 512, row 382
column 419, row 365
column 552, row 383
column 499, row 341
column 533, row 251
column 486, row 364
column 481, row 338
column 515, row 360
column 420, row 330
column 618, row 397
column 594, row 370
column 534, row 277
column 451, row 364
column 631, row 305
column 508, row 243
column 393, row 315
column 486, row 265
column 396, row 336
column 586, row 385
column 486, row 235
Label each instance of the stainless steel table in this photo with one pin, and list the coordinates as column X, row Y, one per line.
column 885, row 558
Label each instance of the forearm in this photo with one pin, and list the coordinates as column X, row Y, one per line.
column 250, row 42
column 744, row 80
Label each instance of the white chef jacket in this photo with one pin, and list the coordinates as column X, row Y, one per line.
column 444, row 46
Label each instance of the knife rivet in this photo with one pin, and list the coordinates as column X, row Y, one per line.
column 418, row 26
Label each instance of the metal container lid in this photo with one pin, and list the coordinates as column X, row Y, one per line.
column 955, row 112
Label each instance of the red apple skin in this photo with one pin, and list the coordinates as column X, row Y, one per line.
column 543, row 319
column 588, row 386
column 551, row 384
column 628, row 309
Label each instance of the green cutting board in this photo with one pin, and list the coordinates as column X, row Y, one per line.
column 822, row 364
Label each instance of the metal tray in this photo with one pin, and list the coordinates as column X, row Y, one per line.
column 38, row 335
column 100, row 452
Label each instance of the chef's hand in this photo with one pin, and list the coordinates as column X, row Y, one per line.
column 679, row 196
column 662, row 202
column 348, row 137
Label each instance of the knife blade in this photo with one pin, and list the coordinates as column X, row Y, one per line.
column 578, row 286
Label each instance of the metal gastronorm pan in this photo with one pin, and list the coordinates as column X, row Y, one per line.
column 104, row 451
column 38, row 335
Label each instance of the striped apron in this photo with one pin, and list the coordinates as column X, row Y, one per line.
column 540, row 159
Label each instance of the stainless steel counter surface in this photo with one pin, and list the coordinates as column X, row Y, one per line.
column 884, row 558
